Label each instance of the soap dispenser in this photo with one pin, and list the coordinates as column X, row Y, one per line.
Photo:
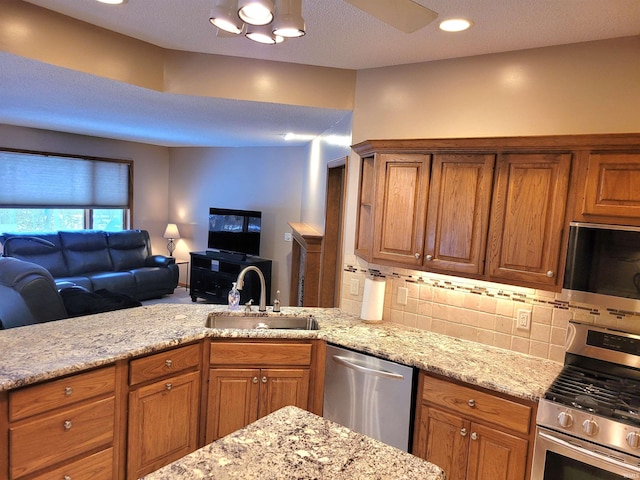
column 234, row 297
column 276, row 302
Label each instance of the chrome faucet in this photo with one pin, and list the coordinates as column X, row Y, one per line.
column 240, row 284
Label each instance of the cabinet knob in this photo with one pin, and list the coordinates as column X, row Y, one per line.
column 474, row 436
column 417, row 256
column 463, row 432
column 471, row 403
column 68, row 391
column 264, row 379
column 429, row 257
column 255, row 380
column 168, row 386
column 66, row 477
column 168, row 363
column 550, row 274
column 67, row 425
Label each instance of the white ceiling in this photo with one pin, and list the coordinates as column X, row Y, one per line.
column 338, row 35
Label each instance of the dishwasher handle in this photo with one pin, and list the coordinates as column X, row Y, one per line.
column 369, row 371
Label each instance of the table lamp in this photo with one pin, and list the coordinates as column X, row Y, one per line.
column 171, row 233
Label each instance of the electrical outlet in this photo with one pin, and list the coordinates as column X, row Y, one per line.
column 287, row 237
column 524, row 320
column 354, row 288
column 403, row 293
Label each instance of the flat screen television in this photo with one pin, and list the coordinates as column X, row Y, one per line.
column 234, row 231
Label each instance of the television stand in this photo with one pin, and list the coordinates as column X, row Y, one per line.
column 212, row 274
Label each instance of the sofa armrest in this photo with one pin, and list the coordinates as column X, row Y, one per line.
column 159, row 261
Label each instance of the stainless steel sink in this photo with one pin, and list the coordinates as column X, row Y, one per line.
column 257, row 322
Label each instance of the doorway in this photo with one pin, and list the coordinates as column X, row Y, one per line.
column 331, row 255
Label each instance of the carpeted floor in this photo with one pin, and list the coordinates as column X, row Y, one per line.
column 180, row 295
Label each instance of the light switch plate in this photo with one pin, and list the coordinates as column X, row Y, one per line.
column 403, row 293
column 354, row 288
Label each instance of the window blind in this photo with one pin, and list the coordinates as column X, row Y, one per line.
column 38, row 180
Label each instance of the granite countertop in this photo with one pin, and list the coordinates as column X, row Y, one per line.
column 294, row 444
column 41, row 352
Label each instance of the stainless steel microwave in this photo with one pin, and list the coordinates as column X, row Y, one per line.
column 603, row 266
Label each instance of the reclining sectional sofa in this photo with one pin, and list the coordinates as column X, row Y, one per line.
column 119, row 262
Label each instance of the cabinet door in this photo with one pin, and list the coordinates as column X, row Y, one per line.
column 495, row 455
column 444, row 440
column 232, row 400
column 163, row 423
column 458, row 213
column 527, row 222
column 364, row 225
column 612, row 187
column 402, row 183
column 281, row 387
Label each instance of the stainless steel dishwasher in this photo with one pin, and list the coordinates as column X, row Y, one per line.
column 369, row 395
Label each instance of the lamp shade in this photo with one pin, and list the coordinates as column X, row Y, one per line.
column 171, row 231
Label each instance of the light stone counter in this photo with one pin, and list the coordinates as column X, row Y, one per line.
column 41, row 352
column 295, row 444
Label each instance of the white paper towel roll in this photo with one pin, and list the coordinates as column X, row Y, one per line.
column 372, row 300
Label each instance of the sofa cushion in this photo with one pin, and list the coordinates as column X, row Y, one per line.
column 86, row 251
column 122, row 282
column 78, row 281
column 149, row 278
column 27, row 247
column 128, row 249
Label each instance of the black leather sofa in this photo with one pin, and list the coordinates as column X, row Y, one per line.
column 95, row 260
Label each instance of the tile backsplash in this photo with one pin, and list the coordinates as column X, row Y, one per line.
column 480, row 311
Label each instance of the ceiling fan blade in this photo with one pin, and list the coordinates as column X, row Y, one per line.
column 405, row 15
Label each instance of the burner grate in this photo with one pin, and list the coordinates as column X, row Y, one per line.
column 597, row 392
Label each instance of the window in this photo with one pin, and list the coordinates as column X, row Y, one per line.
column 45, row 192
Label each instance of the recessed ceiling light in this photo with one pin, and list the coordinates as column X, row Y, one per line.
column 112, row 2
column 455, row 25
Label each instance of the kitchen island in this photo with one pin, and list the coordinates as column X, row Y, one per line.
column 294, row 444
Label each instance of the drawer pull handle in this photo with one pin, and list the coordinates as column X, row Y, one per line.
column 168, row 363
column 66, row 477
column 67, row 425
column 471, row 403
column 68, row 391
column 474, row 436
column 264, row 379
column 169, row 386
column 255, row 380
column 463, row 432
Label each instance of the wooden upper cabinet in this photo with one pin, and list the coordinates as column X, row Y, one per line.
column 400, row 210
column 458, row 213
column 527, row 222
column 613, row 185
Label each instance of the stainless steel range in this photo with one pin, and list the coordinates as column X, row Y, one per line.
column 589, row 420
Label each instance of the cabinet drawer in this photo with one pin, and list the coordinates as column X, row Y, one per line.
column 59, row 393
column 164, row 363
column 98, row 466
column 477, row 405
column 255, row 354
column 61, row 436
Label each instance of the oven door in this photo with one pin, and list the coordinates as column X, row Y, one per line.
column 561, row 457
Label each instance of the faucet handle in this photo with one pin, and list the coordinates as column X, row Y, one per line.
column 247, row 306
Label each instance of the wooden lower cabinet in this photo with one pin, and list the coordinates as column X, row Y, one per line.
column 250, row 380
column 471, row 434
column 66, row 428
column 164, row 414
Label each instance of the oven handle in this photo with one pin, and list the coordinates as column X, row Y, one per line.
column 596, row 456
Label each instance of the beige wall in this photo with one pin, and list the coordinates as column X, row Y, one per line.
column 150, row 170
column 265, row 179
column 574, row 89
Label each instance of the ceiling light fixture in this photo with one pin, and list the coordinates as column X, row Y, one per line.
column 263, row 21
column 455, row 25
column 112, row 2
column 256, row 12
column 288, row 21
